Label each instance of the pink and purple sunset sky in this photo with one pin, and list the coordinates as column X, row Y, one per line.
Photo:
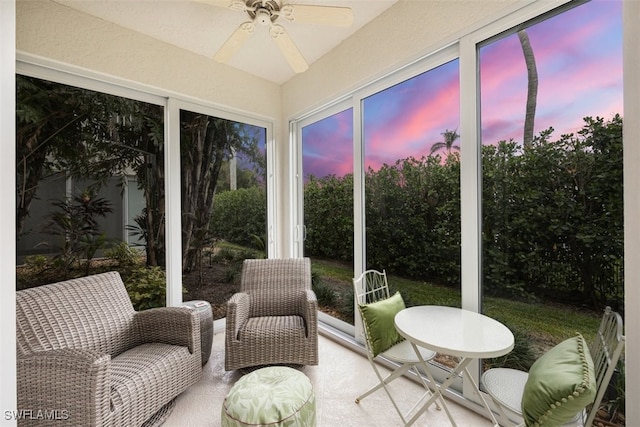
column 579, row 61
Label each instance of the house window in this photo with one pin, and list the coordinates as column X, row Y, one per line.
column 412, row 187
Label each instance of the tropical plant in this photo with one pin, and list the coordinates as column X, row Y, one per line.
column 52, row 121
column 448, row 143
column 76, row 229
column 123, row 254
column 93, row 137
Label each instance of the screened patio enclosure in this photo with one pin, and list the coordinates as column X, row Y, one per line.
column 59, row 43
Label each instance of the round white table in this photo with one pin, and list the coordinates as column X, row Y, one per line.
column 456, row 332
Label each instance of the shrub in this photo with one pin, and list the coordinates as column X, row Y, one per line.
column 328, row 217
column 146, row 287
column 240, row 215
column 521, row 357
column 37, row 263
column 124, row 254
column 325, row 295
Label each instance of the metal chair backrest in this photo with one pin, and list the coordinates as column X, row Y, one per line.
column 371, row 286
column 606, row 349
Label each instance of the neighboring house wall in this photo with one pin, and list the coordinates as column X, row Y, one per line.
column 52, row 187
column 134, row 204
column 127, row 202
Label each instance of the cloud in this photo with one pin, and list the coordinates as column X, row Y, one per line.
column 579, row 68
column 408, row 118
column 328, row 146
column 579, row 60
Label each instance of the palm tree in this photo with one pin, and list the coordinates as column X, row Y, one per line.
column 450, row 136
column 532, row 87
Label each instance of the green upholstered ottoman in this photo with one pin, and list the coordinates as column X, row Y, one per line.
column 276, row 396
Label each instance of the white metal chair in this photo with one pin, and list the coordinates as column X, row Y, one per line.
column 370, row 287
column 506, row 386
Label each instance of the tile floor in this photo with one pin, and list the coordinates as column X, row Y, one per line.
column 341, row 375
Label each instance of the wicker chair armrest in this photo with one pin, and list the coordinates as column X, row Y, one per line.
column 69, row 384
column 169, row 325
column 237, row 313
column 309, row 311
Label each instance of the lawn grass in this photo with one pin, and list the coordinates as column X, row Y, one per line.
column 543, row 324
column 333, row 269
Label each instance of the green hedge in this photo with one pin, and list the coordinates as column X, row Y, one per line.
column 240, row 216
column 552, row 217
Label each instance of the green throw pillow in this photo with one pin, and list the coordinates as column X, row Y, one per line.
column 378, row 321
column 561, row 383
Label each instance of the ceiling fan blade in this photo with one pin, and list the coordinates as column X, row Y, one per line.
column 288, row 48
column 235, row 42
column 227, row 4
column 325, row 15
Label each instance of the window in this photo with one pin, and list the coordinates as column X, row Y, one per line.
column 552, row 212
column 471, row 224
column 412, row 180
column 144, row 228
column 78, row 150
column 224, row 202
column 327, row 168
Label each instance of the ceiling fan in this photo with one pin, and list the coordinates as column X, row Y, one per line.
column 267, row 12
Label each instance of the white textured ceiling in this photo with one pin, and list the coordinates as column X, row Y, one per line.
column 203, row 28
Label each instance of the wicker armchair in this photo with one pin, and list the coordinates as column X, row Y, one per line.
column 274, row 318
column 89, row 359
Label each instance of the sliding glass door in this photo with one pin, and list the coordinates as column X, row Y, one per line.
column 552, row 208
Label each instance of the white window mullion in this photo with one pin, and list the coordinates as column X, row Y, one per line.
column 296, row 190
column 173, row 205
column 631, row 136
column 272, row 225
column 8, row 364
column 359, row 220
column 470, row 176
column 470, row 191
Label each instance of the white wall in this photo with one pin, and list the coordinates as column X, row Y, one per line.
column 8, row 212
column 54, row 31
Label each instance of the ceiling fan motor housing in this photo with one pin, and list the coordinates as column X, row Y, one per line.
column 263, row 17
column 266, row 12
column 262, row 12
